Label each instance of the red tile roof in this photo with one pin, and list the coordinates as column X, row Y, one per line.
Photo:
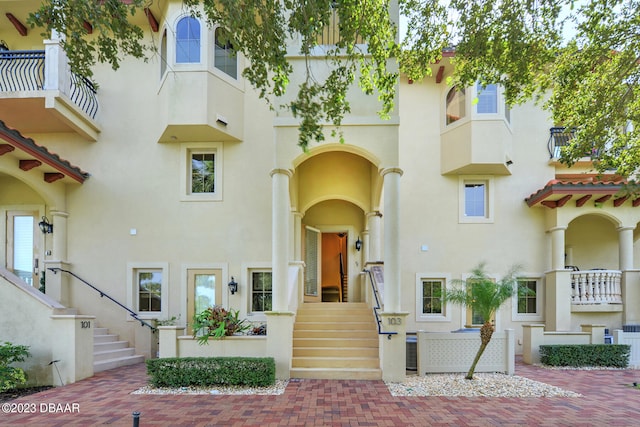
column 557, row 192
column 38, row 152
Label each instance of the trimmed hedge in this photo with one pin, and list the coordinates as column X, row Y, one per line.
column 609, row 355
column 211, row 371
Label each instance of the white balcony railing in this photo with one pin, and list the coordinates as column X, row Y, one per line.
column 596, row 287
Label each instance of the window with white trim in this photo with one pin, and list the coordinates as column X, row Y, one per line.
column 225, row 59
column 201, row 171
column 261, row 290
column 148, row 289
column 527, row 303
column 188, row 40
column 430, row 292
column 476, row 199
column 455, row 105
column 487, row 99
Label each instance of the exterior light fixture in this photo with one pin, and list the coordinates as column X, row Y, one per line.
column 233, row 286
column 45, row 226
column 358, row 244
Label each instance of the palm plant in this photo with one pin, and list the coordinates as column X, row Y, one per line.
column 484, row 296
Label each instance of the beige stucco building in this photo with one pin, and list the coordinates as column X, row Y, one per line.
column 173, row 179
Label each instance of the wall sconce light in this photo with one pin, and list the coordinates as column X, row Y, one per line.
column 358, row 244
column 233, row 286
column 45, row 226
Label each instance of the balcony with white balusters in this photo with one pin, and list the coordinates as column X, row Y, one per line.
column 596, row 290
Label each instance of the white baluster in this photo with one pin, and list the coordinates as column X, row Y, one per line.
column 598, row 280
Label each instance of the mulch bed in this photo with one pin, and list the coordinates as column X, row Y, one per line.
column 21, row 392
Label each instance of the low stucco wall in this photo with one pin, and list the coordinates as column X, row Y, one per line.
column 455, row 351
column 173, row 343
column 632, row 339
column 31, row 318
column 534, row 336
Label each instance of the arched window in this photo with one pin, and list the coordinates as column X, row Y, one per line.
column 188, row 40
column 455, row 105
column 487, row 99
column 225, row 58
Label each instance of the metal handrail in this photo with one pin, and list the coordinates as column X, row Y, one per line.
column 377, row 306
column 103, row 294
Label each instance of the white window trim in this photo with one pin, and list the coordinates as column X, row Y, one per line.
column 173, row 41
column 425, row 317
column 185, row 171
column 237, row 82
column 490, row 190
column 471, row 109
column 532, row 317
column 132, row 289
column 247, row 269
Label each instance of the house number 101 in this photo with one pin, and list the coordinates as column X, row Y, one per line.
column 395, row 320
column 85, row 324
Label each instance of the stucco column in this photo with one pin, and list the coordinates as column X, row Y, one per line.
column 625, row 248
column 59, row 234
column 392, row 239
column 373, row 244
column 557, row 247
column 296, row 244
column 280, row 236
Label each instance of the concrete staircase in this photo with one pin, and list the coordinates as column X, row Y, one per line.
column 335, row 341
column 109, row 352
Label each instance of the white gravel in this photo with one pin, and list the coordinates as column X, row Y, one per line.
column 277, row 388
column 482, row 384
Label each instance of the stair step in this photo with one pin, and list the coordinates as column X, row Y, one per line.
column 349, row 325
column 104, row 338
column 335, row 342
column 336, row 362
column 335, row 351
column 337, row 373
column 111, row 345
column 100, row 331
column 331, row 333
column 105, row 365
column 113, row 354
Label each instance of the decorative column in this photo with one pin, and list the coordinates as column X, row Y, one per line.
column 625, row 248
column 557, row 248
column 296, row 244
column 372, row 246
column 393, row 348
column 279, row 320
column 558, row 285
column 280, row 236
column 392, row 239
column 59, row 234
column 630, row 281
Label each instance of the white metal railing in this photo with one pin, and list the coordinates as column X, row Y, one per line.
column 596, row 287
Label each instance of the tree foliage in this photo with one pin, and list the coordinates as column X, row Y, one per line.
column 485, row 297
column 588, row 78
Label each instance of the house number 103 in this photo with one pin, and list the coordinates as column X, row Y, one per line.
column 395, row 320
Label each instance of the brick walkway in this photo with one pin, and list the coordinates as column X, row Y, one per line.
column 105, row 399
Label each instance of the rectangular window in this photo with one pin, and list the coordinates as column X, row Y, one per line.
column 432, row 293
column 487, row 99
column 149, row 290
column 527, row 303
column 261, row 290
column 476, row 199
column 201, row 171
column 203, row 178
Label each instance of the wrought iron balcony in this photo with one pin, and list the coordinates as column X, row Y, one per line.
column 558, row 137
column 38, row 93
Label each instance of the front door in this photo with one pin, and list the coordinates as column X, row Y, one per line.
column 312, row 261
column 204, row 290
column 22, row 245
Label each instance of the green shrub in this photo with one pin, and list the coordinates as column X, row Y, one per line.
column 211, row 371
column 217, row 322
column 12, row 377
column 608, row 355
